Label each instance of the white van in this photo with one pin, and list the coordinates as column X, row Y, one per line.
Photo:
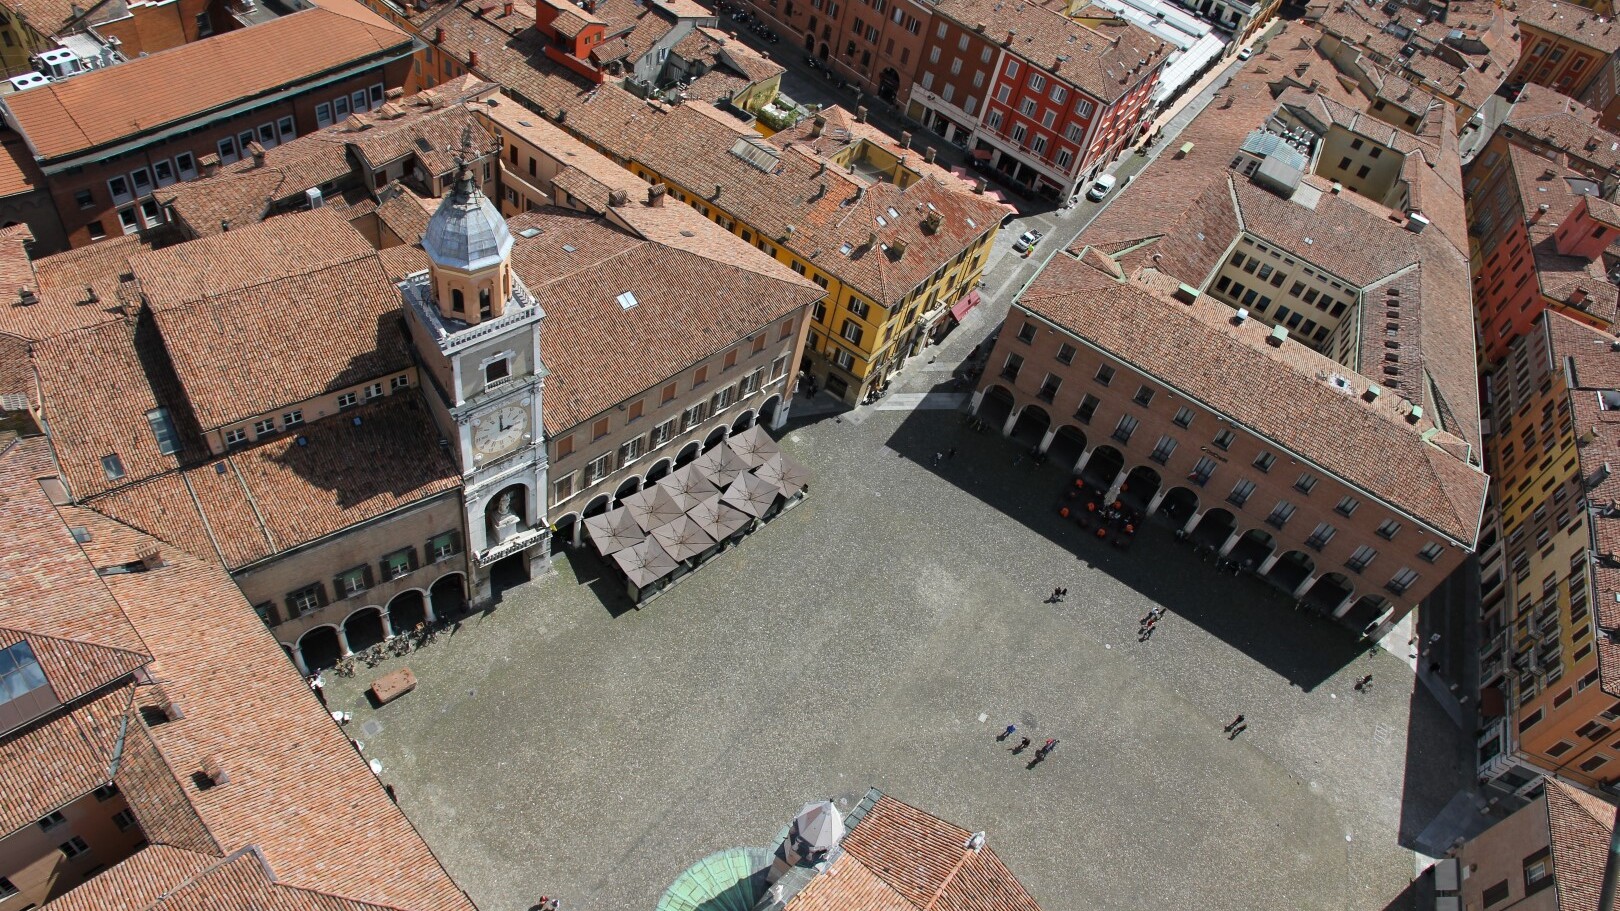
column 1101, row 188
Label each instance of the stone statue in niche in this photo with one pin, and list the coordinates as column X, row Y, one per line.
column 504, row 518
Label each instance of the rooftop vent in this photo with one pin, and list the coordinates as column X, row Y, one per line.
column 1241, row 317
column 1279, row 334
column 1415, row 415
column 212, row 775
column 1416, row 222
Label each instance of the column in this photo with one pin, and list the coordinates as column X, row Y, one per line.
column 975, row 401
column 779, row 420
column 1156, row 499
column 427, row 607
column 297, row 655
column 1305, row 585
column 1344, row 606
column 1046, row 441
column 1231, row 541
column 1269, row 562
column 1080, row 464
column 1118, row 485
column 1012, row 419
column 579, row 530
column 343, row 639
column 1192, row 522
column 387, row 622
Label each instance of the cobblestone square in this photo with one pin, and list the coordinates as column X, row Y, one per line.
column 881, row 634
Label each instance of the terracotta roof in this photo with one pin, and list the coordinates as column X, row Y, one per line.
column 1560, row 122
column 1580, row 825
column 276, row 495
column 716, row 48
column 48, row 17
column 1105, row 60
column 139, row 882
column 1196, row 349
column 52, row 763
column 174, row 86
column 1577, row 24
column 510, row 53
column 1183, row 212
column 692, row 302
column 834, row 214
column 405, row 214
column 96, row 389
column 1540, row 182
column 91, row 265
column 588, row 175
column 18, row 172
column 900, row 858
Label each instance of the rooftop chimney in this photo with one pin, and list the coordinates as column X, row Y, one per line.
column 257, row 151
column 507, row 9
column 655, row 195
column 27, row 297
column 905, row 139
column 208, row 165
column 214, row 772
column 817, row 125
column 860, row 115
column 472, row 60
column 617, row 198
column 438, row 35
column 928, row 154
column 978, row 185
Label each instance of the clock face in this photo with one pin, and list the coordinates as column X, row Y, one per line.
column 500, row 431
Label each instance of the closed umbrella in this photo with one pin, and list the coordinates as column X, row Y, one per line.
column 720, row 465
column 716, row 518
column 787, row 475
column 753, row 445
column 645, row 563
column 614, row 531
column 653, row 507
column 683, row 538
column 688, row 486
column 751, row 494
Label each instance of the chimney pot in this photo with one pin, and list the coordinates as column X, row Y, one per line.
column 905, row 139
column 438, row 35
column 928, row 155
column 507, row 9
column 472, row 60
column 655, row 194
column 860, row 115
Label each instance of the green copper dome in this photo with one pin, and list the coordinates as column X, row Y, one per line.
column 730, row 880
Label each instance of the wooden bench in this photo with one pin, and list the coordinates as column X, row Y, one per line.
column 391, row 686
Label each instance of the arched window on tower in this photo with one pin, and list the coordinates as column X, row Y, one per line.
column 484, row 311
column 458, row 302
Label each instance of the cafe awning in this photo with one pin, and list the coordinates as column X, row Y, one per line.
column 964, row 305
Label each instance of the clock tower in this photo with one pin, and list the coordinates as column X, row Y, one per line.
column 477, row 329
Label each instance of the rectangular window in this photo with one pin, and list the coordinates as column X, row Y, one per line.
column 1049, row 387
column 1495, row 894
column 1144, row 396
column 1184, row 417
column 1065, row 354
column 1014, row 363
column 1402, row 580
column 443, row 546
column 1223, row 440
column 399, row 563
column 631, row 451
column 119, row 188
column 1088, row 407
column 187, row 165
column 1431, row 551
column 264, row 427
column 348, row 400
column 124, row 820
column 305, row 599
column 563, row 488
column 662, row 434
column 1280, row 514
column 236, row 436
column 163, row 172
column 598, row 468
column 73, row 847
column 1083, row 109
column 852, row 331
column 1240, row 492
column 1125, row 427
column 1105, row 375
column 51, row 820
column 1388, row 528
column 1163, row 449
column 1202, row 472
column 599, row 429
column 1321, row 536
column 1305, row 482
column 1264, row 461
column 352, row 582
column 168, row 442
column 1347, row 506
column 1026, row 332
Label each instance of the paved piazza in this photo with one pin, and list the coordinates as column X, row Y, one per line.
column 882, row 634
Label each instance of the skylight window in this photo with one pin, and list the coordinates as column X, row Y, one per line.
column 972, row 223
column 845, row 249
column 893, row 213
column 569, row 248
column 627, row 300
column 19, row 672
column 882, row 222
column 112, row 466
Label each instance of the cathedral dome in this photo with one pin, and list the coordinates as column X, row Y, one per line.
column 467, row 233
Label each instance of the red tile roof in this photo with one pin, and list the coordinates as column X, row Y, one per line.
column 900, row 858
column 694, row 299
column 173, row 86
column 1580, row 825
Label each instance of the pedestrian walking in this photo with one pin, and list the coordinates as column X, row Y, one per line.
column 1236, row 731
column 1145, row 634
column 1063, row 593
column 1364, row 683
column 1023, row 744
column 1047, row 748
column 938, row 457
column 1234, row 723
column 1011, row 729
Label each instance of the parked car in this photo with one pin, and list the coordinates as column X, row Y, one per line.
column 1101, row 187
column 1245, row 54
column 1026, row 241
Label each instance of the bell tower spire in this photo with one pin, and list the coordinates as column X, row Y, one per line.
column 469, row 247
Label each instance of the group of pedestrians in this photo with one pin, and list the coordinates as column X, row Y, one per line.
column 1235, row 727
column 1057, row 596
column 1041, row 752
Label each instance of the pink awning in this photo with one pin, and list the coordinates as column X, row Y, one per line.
column 964, row 305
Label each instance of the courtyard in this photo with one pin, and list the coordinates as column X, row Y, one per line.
column 882, row 634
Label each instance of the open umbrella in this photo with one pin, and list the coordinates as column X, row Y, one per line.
column 688, row 486
column 781, row 470
column 683, row 538
column 645, row 563
column 614, row 531
column 819, row 826
column 752, row 494
column 753, row 445
column 720, row 465
column 653, row 507
column 716, row 518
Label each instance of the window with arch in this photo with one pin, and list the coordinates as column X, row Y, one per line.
column 458, row 301
column 484, row 311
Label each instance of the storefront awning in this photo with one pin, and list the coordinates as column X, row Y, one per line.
column 964, row 305
column 981, row 154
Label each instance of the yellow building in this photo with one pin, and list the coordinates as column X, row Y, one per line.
column 1550, row 695
column 897, row 241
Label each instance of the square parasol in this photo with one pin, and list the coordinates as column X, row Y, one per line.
column 614, row 531
column 716, row 518
column 683, row 538
column 688, row 486
column 753, row 445
column 752, row 494
column 645, row 563
column 781, row 470
column 653, row 507
column 720, row 465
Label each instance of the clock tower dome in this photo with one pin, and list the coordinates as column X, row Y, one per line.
column 477, row 329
